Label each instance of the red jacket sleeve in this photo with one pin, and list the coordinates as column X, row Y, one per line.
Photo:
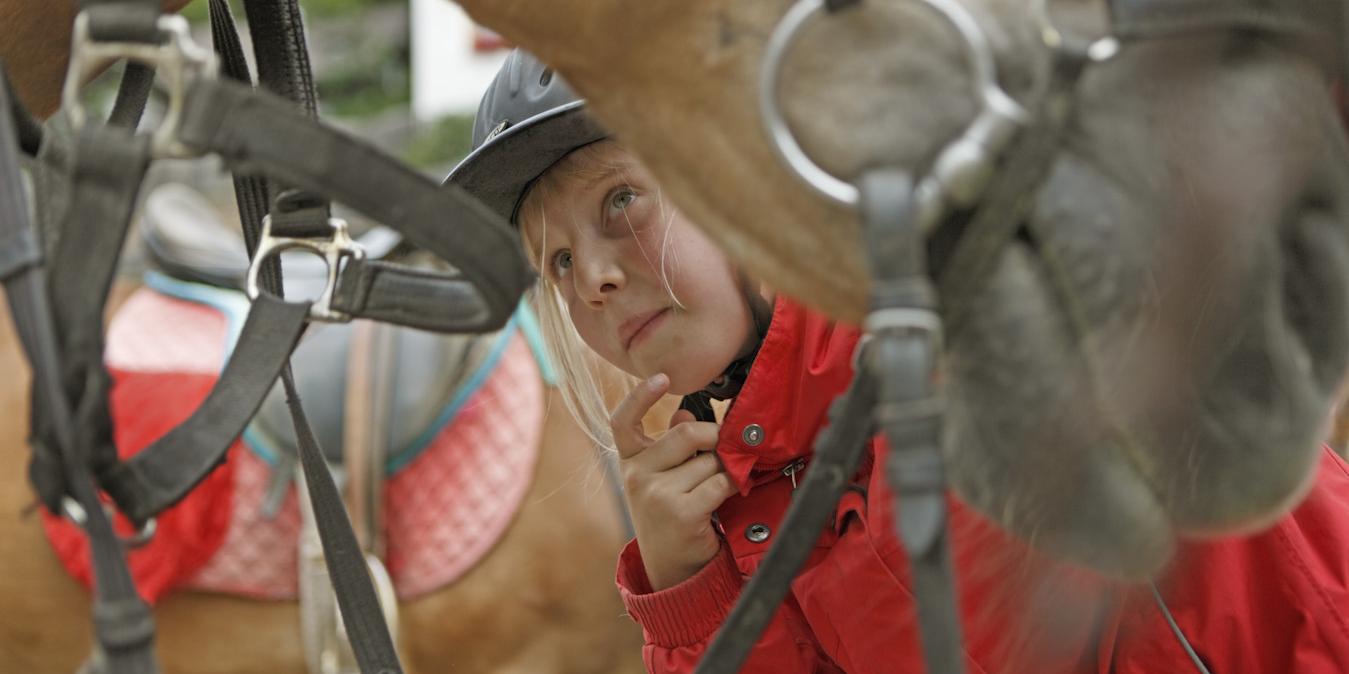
column 679, row 622
column 1277, row 601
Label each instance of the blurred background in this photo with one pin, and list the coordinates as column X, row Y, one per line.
column 405, row 74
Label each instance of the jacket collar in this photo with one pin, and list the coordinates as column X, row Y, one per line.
column 804, row 363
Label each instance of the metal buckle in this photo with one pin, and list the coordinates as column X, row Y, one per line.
column 959, row 171
column 1098, row 50
column 332, row 250
column 177, row 61
column 76, row 513
column 906, row 320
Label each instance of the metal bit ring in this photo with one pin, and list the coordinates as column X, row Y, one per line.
column 993, row 99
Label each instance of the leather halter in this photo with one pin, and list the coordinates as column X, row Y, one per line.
column 985, row 179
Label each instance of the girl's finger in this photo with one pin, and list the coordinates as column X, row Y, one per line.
column 681, row 416
column 712, row 492
column 678, row 444
column 626, row 421
column 684, row 477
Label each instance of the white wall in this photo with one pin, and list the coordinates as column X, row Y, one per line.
column 447, row 76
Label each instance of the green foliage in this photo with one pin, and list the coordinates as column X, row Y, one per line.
column 367, row 86
column 441, row 144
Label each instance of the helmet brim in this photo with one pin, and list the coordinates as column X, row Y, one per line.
column 502, row 169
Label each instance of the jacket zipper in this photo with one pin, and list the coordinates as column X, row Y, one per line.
column 791, row 469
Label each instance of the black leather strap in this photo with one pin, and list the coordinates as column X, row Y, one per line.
column 361, row 610
column 412, row 297
column 251, row 192
column 282, row 57
column 277, row 29
column 123, row 625
column 258, row 133
column 19, row 245
column 132, row 94
column 161, row 474
column 104, row 179
column 26, row 127
column 123, row 20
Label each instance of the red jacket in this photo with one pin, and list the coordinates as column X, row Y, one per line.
column 1273, row 603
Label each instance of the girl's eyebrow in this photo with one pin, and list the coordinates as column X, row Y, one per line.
column 603, row 176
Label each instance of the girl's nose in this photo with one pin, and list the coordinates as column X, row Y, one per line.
column 598, row 276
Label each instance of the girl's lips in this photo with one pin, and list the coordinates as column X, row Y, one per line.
column 638, row 328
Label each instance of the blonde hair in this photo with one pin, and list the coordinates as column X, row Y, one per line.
column 587, row 381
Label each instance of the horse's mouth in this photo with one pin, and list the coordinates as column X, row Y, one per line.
column 1264, row 412
column 1107, row 447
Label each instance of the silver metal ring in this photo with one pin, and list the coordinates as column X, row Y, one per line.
column 332, row 250
column 78, row 515
column 178, row 61
column 981, row 60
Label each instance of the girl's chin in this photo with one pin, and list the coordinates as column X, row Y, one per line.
column 683, row 380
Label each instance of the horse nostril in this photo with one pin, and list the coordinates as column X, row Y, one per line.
column 1315, row 287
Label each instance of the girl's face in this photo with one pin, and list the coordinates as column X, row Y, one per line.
column 644, row 288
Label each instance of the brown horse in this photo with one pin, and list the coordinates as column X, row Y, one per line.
column 542, row 600
column 1154, row 358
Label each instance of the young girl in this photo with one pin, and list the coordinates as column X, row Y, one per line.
column 626, row 278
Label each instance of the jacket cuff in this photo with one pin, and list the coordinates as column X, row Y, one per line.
column 684, row 614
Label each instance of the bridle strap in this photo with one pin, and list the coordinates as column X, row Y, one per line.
column 254, row 132
column 1324, row 21
column 163, row 473
column 123, row 624
column 1011, row 196
column 1147, row 19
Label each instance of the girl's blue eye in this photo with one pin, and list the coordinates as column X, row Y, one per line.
column 561, row 261
column 621, row 198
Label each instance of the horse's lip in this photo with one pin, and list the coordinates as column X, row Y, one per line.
column 629, row 328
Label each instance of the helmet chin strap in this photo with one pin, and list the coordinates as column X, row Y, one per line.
column 728, row 383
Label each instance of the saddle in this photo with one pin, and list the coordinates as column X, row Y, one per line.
column 375, row 396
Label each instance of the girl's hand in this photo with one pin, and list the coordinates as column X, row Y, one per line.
column 671, row 484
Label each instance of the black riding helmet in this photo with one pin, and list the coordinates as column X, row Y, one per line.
column 529, row 119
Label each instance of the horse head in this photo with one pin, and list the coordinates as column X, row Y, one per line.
column 1153, row 353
